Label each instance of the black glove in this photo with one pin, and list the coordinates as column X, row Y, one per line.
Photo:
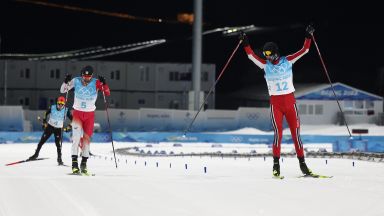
column 309, row 31
column 68, row 78
column 44, row 125
column 244, row 38
column 102, row 80
column 68, row 128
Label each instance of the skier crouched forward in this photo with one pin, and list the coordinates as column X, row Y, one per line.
column 86, row 89
column 55, row 123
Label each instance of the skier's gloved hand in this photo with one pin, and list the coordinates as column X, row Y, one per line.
column 68, row 128
column 102, row 80
column 68, row 78
column 44, row 125
column 309, row 31
column 244, row 38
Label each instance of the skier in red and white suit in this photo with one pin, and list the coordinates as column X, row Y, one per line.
column 279, row 78
column 86, row 90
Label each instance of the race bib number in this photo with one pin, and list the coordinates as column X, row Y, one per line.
column 281, row 86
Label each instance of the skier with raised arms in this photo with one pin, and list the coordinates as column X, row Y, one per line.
column 279, row 77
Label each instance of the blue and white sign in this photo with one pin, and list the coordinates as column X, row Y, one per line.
column 340, row 143
column 342, row 91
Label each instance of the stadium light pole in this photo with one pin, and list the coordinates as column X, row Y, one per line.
column 196, row 50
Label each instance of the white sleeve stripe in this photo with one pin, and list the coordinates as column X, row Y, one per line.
column 299, row 56
column 258, row 63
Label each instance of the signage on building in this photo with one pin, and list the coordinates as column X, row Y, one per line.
column 343, row 92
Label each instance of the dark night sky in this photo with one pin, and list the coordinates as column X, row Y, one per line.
column 348, row 36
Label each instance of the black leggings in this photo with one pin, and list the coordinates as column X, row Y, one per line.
column 47, row 133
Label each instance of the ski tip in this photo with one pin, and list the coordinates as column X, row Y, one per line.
column 13, row 163
column 23, row 161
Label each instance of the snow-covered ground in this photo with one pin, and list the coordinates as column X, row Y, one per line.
column 163, row 186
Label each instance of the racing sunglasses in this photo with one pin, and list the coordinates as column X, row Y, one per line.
column 267, row 53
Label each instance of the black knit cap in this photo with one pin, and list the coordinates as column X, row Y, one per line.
column 87, row 71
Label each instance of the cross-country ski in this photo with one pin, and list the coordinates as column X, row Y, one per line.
column 23, row 161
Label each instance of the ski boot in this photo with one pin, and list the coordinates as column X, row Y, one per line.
column 75, row 165
column 303, row 167
column 83, row 166
column 33, row 157
column 75, row 170
column 60, row 161
column 276, row 168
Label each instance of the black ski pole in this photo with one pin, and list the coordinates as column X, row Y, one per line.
column 65, row 115
column 109, row 124
column 213, row 86
column 330, row 82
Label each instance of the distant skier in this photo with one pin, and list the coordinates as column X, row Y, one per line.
column 279, row 78
column 55, row 114
column 86, row 89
